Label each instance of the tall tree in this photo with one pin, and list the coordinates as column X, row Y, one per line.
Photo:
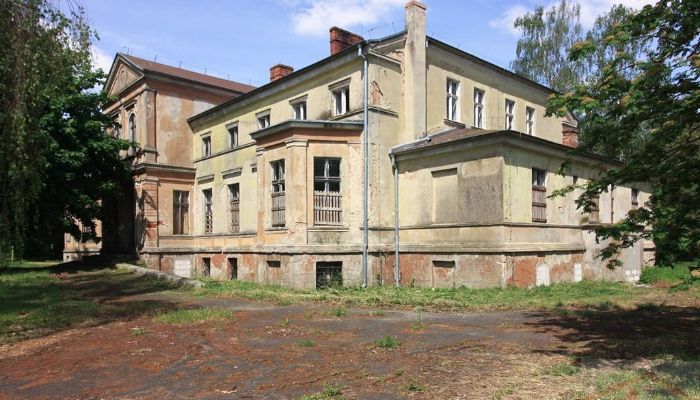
column 645, row 107
column 56, row 159
column 542, row 51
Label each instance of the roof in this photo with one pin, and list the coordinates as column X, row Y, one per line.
column 180, row 73
column 463, row 135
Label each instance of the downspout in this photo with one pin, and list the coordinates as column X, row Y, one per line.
column 397, row 268
column 365, row 176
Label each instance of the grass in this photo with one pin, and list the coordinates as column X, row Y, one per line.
column 330, row 391
column 418, row 324
column 307, row 343
column 563, row 369
column 388, row 342
column 671, row 275
column 196, row 315
column 586, row 293
column 414, row 386
column 37, row 303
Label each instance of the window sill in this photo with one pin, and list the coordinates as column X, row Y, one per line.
column 277, row 229
column 322, row 228
column 454, row 124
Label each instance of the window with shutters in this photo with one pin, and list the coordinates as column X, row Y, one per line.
column 234, row 207
column 208, row 211
column 328, row 204
column 539, row 195
column 278, row 193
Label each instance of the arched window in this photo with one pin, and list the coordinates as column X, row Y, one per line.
column 132, row 127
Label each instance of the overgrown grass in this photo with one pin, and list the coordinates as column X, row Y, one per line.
column 34, row 303
column 670, row 380
column 672, row 275
column 388, row 342
column 191, row 316
column 543, row 298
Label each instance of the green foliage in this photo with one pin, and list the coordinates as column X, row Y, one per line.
column 388, row 342
column 307, row 343
column 196, row 315
column 414, row 386
column 541, row 52
column 643, row 110
column 563, row 369
column 674, row 274
column 56, row 161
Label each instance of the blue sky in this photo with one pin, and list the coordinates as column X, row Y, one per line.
column 241, row 40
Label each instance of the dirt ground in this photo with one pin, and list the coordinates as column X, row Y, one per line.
column 287, row 352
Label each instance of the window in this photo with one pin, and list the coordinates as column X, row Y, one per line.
column 635, row 198
column 341, row 100
column 181, row 207
column 206, row 146
column 264, row 121
column 278, row 196
column 329, row 274
column 594, row 212
column 539, row 195
column 132, row 127
column 208, row 214
column 299, row 110
column 478, row 108
column 510, row 114
column 232, row 136
column 117, row 131
column 529, row 120
column 234, row 207
column 274, row 264
column 206, row 265
column 452, row 100
column 328, row 207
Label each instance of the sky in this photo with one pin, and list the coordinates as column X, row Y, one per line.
column 240, row 40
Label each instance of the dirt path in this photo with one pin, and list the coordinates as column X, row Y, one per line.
column 281, row 352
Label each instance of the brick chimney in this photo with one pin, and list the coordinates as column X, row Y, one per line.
column 569, row 135
column 342, row 39
column 280, row 71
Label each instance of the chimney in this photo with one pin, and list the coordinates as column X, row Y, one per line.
column 569, row 135
column 342, row 39
column 280, row 71
column 415, row 71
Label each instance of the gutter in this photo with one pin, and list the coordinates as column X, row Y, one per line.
column 365, row 175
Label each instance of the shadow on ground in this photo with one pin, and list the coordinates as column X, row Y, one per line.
column 39, row 301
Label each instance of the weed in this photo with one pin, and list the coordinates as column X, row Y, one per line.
column 418, row 324
column 563, row 369
column 194, row 315
column 284, row 323
column 308, row 314
column 414, row 386
column 339, row 312
column 388, row 342
column 307, row 343
column 331, row 390
column 138, row 331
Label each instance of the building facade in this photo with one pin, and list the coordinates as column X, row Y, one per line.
column 152, row 102
column 398, row 160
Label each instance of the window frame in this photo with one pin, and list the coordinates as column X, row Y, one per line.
column 181, row 211
column 263, row 118
column 341, row 100
column 206, row 146
column 452, row 111
column 132, row 127
column 509, row 114
column 479, row 98
column 530, row 121
column 539, row 195
column 234, row 192
column 208, row 209
column 299, row 110
column 278, row 193
column 232, row 136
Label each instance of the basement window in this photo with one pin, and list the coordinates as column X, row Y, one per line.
column 233, row 268
column 444, row 263
column 206, row 264
column 329, row 274
column 274, row 264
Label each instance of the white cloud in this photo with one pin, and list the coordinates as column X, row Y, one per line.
column 315, row 17
column 101, row 59
column 590, row 10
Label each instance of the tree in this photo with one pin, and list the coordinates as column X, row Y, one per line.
column 542, row 51
column 56, row 159
column 645, row 107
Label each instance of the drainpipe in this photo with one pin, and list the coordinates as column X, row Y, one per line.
column 397, row 268
column 365, row 176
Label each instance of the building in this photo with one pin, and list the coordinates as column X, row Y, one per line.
column 151, row 107
column 398, row 160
